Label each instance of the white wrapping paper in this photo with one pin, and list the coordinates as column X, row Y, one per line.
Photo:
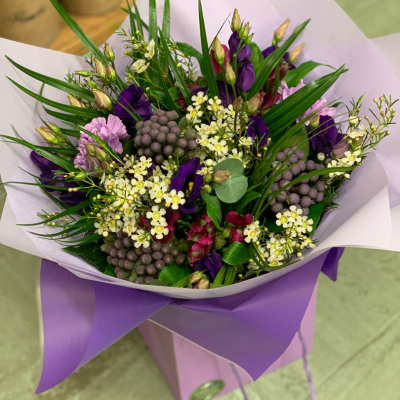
column 366, row 218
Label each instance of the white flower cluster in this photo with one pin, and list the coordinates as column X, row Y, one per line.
column 148, row 48
column 217, row 137
column 280, row 248
column 129, row 193
column 349, row 159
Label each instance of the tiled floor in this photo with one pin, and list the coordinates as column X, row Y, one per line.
column 357, row 341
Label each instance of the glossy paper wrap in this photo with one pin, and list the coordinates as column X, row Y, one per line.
column 84, row 316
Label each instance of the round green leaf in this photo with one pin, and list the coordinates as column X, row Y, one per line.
column 232, row 190
column 231, row 164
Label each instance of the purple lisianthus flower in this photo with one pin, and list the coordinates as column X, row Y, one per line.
column 234, row 42
column 212, row 262
column 223, row 90
column 189, row 182
column 111, row 131
column 134, row 100
column 325, row 136
column 48, row 169
column 258, row 131
column 285, row 92
column 246, row 76
column 269, row 50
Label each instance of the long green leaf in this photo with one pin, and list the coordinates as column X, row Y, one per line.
column 236, row 254
column 267, row 66
column 61, row 162
column 58, row 84
column 294, row 76
column 138, row 19
column 131, row 18
column 219, row 279
column 66, row 117
column 230, row 275
column 208, row 71
column 79, row 111
column 87, row 42
column 166, row 20
column 180, row 79
column 292, row 108
column 190, row 51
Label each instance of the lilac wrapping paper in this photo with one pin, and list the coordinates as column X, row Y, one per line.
column 81, row 318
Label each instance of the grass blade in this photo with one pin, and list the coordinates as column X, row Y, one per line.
column 138, row 19
column 166, row 20
column 208, row 71
column 66, row 117
column 79, row 32
column 267, row 65
column 131, row 18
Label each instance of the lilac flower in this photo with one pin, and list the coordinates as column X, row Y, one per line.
column 212, row 262
column 189, row 182
column 48, row 169
column 111, row 131
column 285, row 92
column 258, row 131
column 246, row 77
column 325, row 136
column 134, row 100
column 244, row 53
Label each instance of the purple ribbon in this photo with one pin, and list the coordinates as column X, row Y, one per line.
column 81, row 318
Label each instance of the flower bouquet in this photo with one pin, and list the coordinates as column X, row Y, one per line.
column 232, row 170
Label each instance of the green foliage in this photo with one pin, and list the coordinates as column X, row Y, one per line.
column 300, row 140
column 174, row 273
column 190, row 51
column 256, row 56
column 208, row 71
column 315, row 214
column 232, row 190
column 246, row 199
column 231, row 164
column 230, row 275
column 219, row 279
column 268, row 64
column 213, row 207
column 236, row 254
column 294, row 76
column 56, row 83
column 166, row 19
column 281, row 116
column 92, row 255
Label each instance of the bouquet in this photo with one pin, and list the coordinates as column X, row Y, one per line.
column 222, row 169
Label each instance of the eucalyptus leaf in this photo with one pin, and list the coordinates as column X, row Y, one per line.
column 231, row 164
column 236, row 254
column 232, row 190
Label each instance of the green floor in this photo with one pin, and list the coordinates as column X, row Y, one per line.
column 357, row 335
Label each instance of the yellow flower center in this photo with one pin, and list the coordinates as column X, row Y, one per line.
column 193, row 113
column 284, row 220
column 274, row 264
column 176, row 199
column 252, row 234
column 140, row 184
column 215, row 107
column 218, row 147
column 156, row 215
column 277, row 253
column 159, row 229
column 204, row 142
column 293, row 214
column 189, row 189
column 159, row 194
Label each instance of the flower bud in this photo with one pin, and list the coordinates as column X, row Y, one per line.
column 202, row 284
column 221, row 177
column 219, row 242
column 48, row 135
column 93, row 166
column 108, row 52
column 75, row 102
column 84, row 73
column 219, row 52
column 236, row 23
column 99, row 67
column 92, row 84
column 244, row 32
column 80, row 176
column 280, row 32
column 295, row 54
column 353, row 120
column 248, row 39
column 196, row 277
column 106, row 167
column 100, row 154
column 207, row 178
column 206, row 189
column 226, row 233
column 340, row 148
column 254, row 103
column 90, row 150
column 102, row 100
column 230, row 76
column 110, row 72
column 314, row 121
column 237, row 104
column 53, row 127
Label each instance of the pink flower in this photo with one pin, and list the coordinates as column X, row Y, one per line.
column 111, row 131
column 203, row 227
column 199, row 250
column 285, row 92
column 215, row 66
column 238, row 220
column 237, row 235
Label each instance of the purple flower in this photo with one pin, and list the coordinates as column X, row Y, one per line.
column 325, row 136
column 134, row 100
column 271, row 49
column 189, row 182
column 212, row 262
column 111, row 131
column 234, row 43
column 48, row 169
column 246, row 77
column 223, row 90
column 258, row 131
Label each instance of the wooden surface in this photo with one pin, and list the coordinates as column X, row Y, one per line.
column 356, row 353
column 98, row 27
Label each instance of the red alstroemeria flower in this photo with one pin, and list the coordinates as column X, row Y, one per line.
column 199, row 250
column 237, row 236
column 203, row 227
column 238, row 220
